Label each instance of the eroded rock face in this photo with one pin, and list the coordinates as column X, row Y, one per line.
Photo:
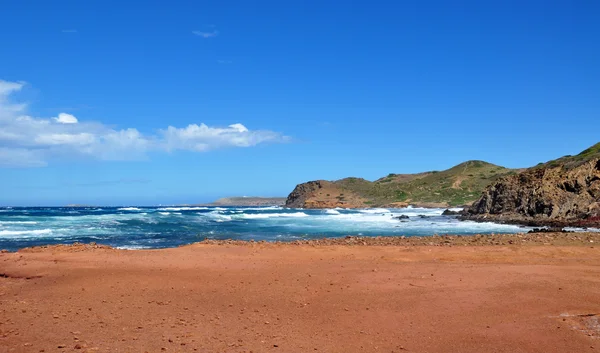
column 297, row 198
column 544, row 196
column 323, row 194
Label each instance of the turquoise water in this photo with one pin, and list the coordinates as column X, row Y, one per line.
column 160, row 227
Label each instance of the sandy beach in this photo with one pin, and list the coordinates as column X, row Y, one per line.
column 517, row 293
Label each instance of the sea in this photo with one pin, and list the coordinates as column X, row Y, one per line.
column 164, row 227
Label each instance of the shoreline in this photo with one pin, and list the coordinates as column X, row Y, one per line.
column 527, row 222
column 526, row 239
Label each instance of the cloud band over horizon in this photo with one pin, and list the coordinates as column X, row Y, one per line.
column 27, row 141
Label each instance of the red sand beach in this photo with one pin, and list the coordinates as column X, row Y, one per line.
column 314, row 297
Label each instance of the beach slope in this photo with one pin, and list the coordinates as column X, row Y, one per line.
column 321, row 297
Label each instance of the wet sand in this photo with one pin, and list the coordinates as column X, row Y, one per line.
column 346, row 295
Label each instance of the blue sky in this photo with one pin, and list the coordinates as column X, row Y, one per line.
column 102, row 102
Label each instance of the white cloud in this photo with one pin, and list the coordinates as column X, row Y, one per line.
column 27, row 141
column 210, row 34
column 7, row 87
column 202, row 138
column 239, row 127
column 65, row 118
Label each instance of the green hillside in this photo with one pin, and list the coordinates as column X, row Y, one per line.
column 459, row 185
column 570, row 162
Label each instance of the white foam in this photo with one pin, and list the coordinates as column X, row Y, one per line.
column 133, row 247
column 17, row 222
column 456, row 209
column 273, row 215
column 265, row 208
column 25, row 232
column 579, row 230
column 164, row 213
column 351, row 218
column 128, row 209
column 420, row 211
column 183, row 208
column 216, row 216
column 375, row 211
column 332, row 212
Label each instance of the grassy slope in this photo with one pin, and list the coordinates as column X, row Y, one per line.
column 569, row 162
column 458, row 185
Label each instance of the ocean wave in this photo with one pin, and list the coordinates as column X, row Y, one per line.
column 419, row 211
column 273, row 215
column 375, row 211
column 265, row 208
column 216, row 216
column 128, row 209
column 578, row 230
column 133, row 247
column 17, row 222
column 350, row 218
column 173, row 228
column 456, row 209
column 183, row 208
column 25, row 232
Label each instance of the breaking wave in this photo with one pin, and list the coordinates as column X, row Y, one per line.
column 273, row 215
column 154, row 227
column 25, row 232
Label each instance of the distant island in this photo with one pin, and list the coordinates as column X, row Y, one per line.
column 248, row 201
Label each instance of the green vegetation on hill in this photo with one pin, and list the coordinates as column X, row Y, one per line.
column 458, row 185
column 570, row 162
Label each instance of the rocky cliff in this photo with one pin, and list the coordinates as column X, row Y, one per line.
column 562, row 192
column 323, row 194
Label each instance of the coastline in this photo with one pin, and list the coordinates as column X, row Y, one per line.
column 511, row 219
column 330, row 295
column 526, row 239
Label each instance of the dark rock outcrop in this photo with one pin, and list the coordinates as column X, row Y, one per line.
column 324, row 194
column 297, row 198
column 556, row 196
column 403, row 216
column 549, row 230
column 450, row 213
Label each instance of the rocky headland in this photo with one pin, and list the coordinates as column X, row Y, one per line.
column 555, row 194
column 560, row 193
column 457, row 186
